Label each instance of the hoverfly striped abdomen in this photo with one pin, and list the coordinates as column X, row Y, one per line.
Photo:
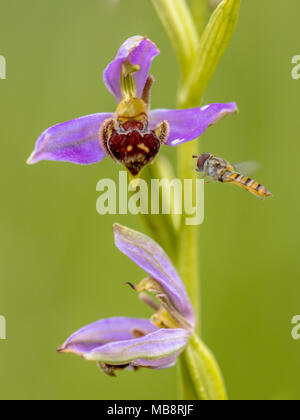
column 250, row 184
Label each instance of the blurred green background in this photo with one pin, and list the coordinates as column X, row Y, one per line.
column 59, row 269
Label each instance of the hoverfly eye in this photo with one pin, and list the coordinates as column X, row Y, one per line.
column 202, row 161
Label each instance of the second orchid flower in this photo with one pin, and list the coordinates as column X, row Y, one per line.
column 118, row 343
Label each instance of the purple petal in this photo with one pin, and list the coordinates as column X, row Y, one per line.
column 148, row 255
column 165, row 363
column 105, row 331
column 138, row 50
column 157, row 349
column 75, row 141
column 189, row 124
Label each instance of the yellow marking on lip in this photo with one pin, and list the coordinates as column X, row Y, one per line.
column 129, row 149
column 144, row 148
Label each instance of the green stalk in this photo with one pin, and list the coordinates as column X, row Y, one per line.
column 179, row 25
column 188, row 256
column 199, row 373
column 200, row 376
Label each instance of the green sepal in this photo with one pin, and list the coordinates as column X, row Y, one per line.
column 213, row 44
column 200, row 374
column 187, row 390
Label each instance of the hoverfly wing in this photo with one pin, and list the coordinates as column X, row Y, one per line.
column 247, row 168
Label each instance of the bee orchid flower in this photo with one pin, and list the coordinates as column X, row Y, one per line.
column 118, row 343
column 133, row 134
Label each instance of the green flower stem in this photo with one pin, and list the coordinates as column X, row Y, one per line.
column 188, row 235
column 178, row 23
column 200, row 376
column 198, row 369
column 187, row 389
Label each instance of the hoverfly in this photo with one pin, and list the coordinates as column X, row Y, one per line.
column 221, row 170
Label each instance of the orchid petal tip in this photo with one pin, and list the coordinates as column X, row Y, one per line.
column 30, row 160
column 117, row 228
